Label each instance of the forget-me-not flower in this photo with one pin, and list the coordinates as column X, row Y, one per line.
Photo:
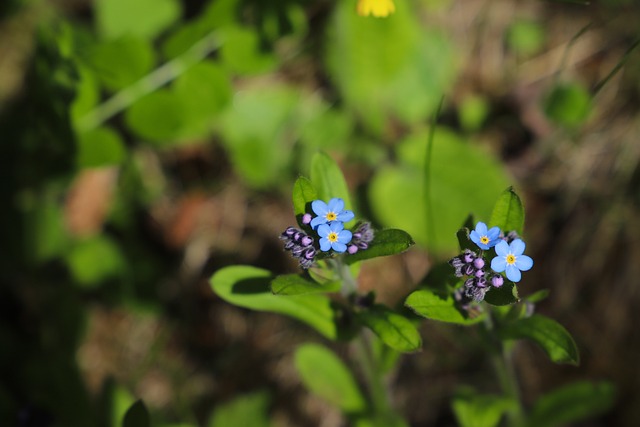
column 511, row 259
column 333, row 236
column 483, row 237
column 329, row 212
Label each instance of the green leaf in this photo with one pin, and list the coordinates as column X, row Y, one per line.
column 572, row 403
column 303, row 194
column 436, row 307
column 241, row 53
column 100, row 147
column 385, row 242
column 393, row 329
column 142, row 18
column 95, row 260
column 327, row 376
column 329, row 181
column 297, row 284
column 248, row 410
column 136, row 416
column 538, row 296
column 548, row 334
column 464, row 241
column 477, row 410
column 249, row 287
column 526, row 37
column 121, row 62
column 508, row 212
column 504, row 295
column 386, row 419
column 158, row 117
column 568, row 104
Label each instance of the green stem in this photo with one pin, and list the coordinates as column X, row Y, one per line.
column 149, row 83
column 378, row 394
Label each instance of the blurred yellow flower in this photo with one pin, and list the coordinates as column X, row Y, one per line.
column 377, row 8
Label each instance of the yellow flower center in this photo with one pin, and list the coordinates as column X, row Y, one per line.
column 333, row 237
column 511, row 259
column 331, row 216
column 484, row 240
column 377, row 8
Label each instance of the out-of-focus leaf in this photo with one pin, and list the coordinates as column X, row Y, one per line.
column 142, row 18
column 397, row 198
column 248, row 410
column 241, row 53
column 325, row 375
column 296, row 284
column 568, row 104
column 393, row 329
column 94, row 260
column 385, row 242
column 329, row 182
column 249, row 287
column 508, row 212
column 327, row 129
column 554, row 339
column 137, row 416
column 572, row 403
column 387, row 419
column 158, row 117
column 119, row 63
column 472, row 112
column 478, row 410
column 536, row 297
column 100, row 147
column 87, row 94
column 390, row 65
column 46, row 230
column 436, row 307
column 525, row 37
column 504, row 295
column 303, row 193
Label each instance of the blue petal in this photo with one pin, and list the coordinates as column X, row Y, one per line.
column 475, row 237
column 481, row 228
column 319, row 207
column 325, row 244
column 339, row 247
column 345, row 216
column 517, row 247
column 513, row 273
column 336, row 226
column 502, row 248
column 344, row 236
column 324, row 230
column 524, row 262
column 493, row 233
column 498, row 264
column 336, row 205
column 317, row 221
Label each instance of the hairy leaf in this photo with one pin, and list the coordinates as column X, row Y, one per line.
column 508, row 212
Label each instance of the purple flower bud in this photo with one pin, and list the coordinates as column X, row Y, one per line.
column 479, row 273
column 306, row 219
column 289, row 245
column 352, row 249
column 481, row 282
column 468, row 270
column 468, row 256
column 497, row 281
column 290, row 231
column 309, row 253
column 306, row 241
column 363, row 245
column 478, row 263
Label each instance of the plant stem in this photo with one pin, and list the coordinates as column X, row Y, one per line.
column 378, row 394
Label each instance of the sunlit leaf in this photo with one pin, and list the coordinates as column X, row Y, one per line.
column 436, row 307
column 393, row 329
column 100, row 147
column 385, row 242
column 329, row 181
column 297, row 284
column 327, row 376
column 249, row 287
column 248, row 410
column 143, row 18
column 480, row 410
column 508, row 212
column 554, row 339
column 303, row 194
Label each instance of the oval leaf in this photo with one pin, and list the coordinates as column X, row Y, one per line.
column 508, row 212
column 549, row 334
column 303, row 193
column 392, row 328
column 249, row 287
column 328, row 180
column 572, row 403
column 385, row 242
column 436, row 307
column 504, row 295
column 296, row 284
column 136, row 416
column 325, row 375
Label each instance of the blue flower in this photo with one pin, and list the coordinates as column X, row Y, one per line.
column 511, row 259
column 333, row 236
column 484, row 238
column 327, row 213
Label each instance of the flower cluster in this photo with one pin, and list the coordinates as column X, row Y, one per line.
column 328, row 225
column 509, row 259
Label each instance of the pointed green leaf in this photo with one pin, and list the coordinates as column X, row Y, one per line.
column 572, row 403
column 504, row 295
column 249, row 287
column 303, row 193
column 297, row 284
column 508, row 212
column 548, row 334
column 385, row 242
column 477, row 410
column 393, row 329
column 327, row 376
column 328, row 179
column 436, row 307
column 136, row 416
